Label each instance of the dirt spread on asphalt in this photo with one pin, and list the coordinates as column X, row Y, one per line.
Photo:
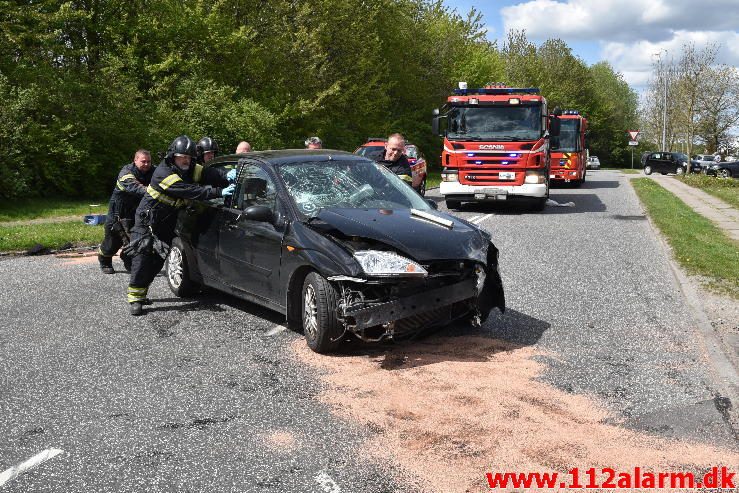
column 280, row 440
column 448, row 410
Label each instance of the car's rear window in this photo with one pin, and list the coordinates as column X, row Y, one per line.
column 371, row 152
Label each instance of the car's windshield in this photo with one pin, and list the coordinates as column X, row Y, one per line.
column 347, row 184
column 682, row 157
column 498, row 124
column 371, row 152
column 569, row 133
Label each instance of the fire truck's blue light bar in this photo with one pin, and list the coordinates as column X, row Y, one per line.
column 497, row 90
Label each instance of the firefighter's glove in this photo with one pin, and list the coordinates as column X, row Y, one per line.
column 231, row 176
column 229, row 190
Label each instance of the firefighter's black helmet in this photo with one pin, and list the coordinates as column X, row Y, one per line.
column 182, row 146
column 206, row 144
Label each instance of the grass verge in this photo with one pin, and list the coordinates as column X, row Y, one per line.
column 699, row 246
column 50, row 235
column 433, row 179
column 726, row 189
column 24, row 209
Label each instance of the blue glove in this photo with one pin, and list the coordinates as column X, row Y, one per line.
column 228, row 191
column 231, row 176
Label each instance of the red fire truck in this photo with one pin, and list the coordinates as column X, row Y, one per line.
column 496, row 145
column 569, row 157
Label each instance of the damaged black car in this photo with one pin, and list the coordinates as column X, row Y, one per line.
column 339, row 245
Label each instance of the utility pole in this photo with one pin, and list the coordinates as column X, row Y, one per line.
column 664, row 102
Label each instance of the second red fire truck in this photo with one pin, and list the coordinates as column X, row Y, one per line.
column 496, row 145
column 569, row 155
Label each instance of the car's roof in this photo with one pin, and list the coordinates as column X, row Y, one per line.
column 282, row 156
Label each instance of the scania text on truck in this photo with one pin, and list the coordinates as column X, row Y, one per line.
column 496, row 145
column 569, row 154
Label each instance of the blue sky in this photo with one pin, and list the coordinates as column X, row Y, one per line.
column 625, row 33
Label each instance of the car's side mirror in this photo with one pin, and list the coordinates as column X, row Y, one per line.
column 433, row 204
column 259, row 213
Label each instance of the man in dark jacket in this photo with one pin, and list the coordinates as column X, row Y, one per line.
column 174, row 184
column 127, row 193
column 394, row 156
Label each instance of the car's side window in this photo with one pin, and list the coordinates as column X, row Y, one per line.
column 215, row 176
column 257, row 188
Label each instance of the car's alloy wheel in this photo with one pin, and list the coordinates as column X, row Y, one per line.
column 724, row 173
column 422, row 188
column 647, row 170
column 178, row 271
column 680, row 170
column 323, row 331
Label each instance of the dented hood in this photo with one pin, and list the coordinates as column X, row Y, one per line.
column 418, row 238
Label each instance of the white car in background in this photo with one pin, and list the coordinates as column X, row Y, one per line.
column 593, row 163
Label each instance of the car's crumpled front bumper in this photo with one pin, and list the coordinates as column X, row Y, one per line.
column 384, row 313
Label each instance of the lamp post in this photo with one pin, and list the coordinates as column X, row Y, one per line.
column 664, row 103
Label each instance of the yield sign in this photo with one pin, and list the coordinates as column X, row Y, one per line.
column 633, row 134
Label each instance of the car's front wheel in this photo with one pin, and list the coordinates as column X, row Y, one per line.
column 323, row 331
column 679, row 170
column 647, row 170
column 178, row 271
column 724, row 173
column 422, row 188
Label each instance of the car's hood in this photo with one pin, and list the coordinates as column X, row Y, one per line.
column 418, row 238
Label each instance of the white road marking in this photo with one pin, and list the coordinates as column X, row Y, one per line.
column 480, row 219
column 327, row 484
column 472, row 219
column 34, row 461
column 276, row 330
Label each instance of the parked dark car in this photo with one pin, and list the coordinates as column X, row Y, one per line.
column 666, row 162
column 724, row 169
column 338, row 244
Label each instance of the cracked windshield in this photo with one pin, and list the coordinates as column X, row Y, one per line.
column 349, row 185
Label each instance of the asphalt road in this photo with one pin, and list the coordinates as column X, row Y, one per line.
column 204, row 395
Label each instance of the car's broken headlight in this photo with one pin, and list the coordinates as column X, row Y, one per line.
column 379, row 263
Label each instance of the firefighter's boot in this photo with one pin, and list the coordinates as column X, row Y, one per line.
column 137, row 308
column 106, row 264
column 137, row 299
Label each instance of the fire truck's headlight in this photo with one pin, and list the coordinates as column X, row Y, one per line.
column 450, row 175
column 535, row 177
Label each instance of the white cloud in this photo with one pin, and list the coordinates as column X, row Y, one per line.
column 635, row 59
column 630, row 32
column 619, row 20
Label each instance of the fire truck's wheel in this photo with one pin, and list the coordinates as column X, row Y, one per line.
column 453, row 204
column 178, row 271
column 647, row 170
column 422, row 188
column 539, row 204
column 321, row 327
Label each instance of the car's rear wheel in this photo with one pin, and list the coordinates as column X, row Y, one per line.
column 178, row 271
column 724, row 173
column 453, row 204
column 647, row 170
column 322, row 329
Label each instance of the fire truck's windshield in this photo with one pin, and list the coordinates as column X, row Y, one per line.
column 569, row 133
column 494, row 123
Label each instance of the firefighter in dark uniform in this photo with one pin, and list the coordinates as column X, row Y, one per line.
column 127, row 193
column 207, row 149
column 175, row 182
column 394, row 156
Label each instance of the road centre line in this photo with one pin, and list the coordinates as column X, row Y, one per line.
column 327, row 484
column 34, row 461
column 480, row 219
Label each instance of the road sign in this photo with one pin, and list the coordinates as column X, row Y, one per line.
column 633, row 143
column 633, row 134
